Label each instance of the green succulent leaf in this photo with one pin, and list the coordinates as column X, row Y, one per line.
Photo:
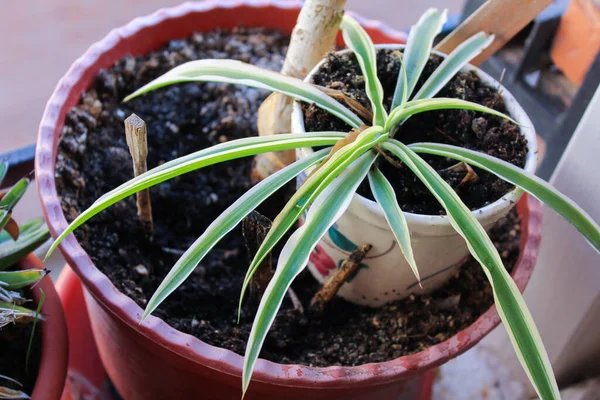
column 417, row 50
column 509, row 301
column 452, row 64
column 32, row 236
column 11, row 198
column 222, row 152
column 224, row 223
column 360, row 43
column 3, row 171
column 413, row 107
column 237, row 72
column 327, row 208
column 14, row 280
column 386, row 199
column 308, row 192
column 524, row 180
column 25, row 228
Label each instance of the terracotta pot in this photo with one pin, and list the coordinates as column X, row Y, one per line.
column 55, row 351
column 439, row 250
column 155, row 361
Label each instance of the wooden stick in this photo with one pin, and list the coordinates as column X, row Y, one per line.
column 255, row 228
column 502, row 18
column 333, row 285
column 136, row 134
column 313, row 36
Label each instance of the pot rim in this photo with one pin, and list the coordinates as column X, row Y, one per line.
column 67, row 94
column 484, row 213
column 51, row 376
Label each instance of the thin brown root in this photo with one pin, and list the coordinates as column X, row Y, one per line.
column 351, row 137
column 389, row 159
column 353, row 104
column 470, row 176
column 329, row 290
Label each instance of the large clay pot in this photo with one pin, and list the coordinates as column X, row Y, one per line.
column 438, row 249
column 155, row 361
column 55, row 351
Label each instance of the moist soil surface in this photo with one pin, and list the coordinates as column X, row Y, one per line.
column 93, row 159
column 489, row 134
column 14, row 342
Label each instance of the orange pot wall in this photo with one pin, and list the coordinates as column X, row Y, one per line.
column 55, row 352
column 153, row 360
column 577, row 40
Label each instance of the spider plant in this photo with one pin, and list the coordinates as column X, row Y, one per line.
column 15, row 243
column 347, row 160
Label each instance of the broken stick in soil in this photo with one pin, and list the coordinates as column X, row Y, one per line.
column 329, row 290
column 136, row 134
column 255, row 228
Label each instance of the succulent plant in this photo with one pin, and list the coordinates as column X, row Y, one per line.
column 16, row 242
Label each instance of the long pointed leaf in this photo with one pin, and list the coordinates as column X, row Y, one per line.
column 386, row 199
column 464, row 53
column 10, row 200
column 309, row 191
column 224, row 223
column 216, row 154
column 237, row 72
column 526, row 181
column 417, row 50
column 357, row 39
column 509, row 301
column 326, row 209
column 413, row 107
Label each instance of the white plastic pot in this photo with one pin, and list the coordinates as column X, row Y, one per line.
column 439, row 251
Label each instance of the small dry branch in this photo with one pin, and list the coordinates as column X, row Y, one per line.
column 136, row 134
column 333, row 285
column 255, row 228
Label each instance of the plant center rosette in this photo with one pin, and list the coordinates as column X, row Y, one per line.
column 385, row 274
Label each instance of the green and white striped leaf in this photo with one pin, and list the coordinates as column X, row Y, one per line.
column 417, row 50
column 509, row 301
column 413, row 107
column 528, row 182
column 237, row 72
column 32, row 236
column 326, row 209
column 386, row 199
column 308, row 192
column 464, row 53
column 361, row 44
column 222, row 152
column 224, row 223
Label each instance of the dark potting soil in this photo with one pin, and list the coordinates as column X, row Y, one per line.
column 93, row 159
column 14, row 342
column 492, row 135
